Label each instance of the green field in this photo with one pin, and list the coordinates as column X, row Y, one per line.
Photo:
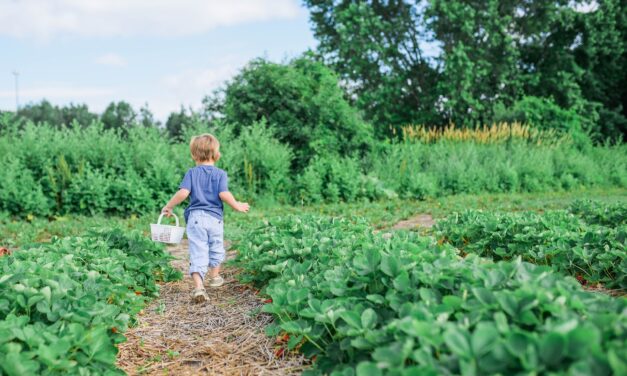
column 436, row 187
column 495, row 287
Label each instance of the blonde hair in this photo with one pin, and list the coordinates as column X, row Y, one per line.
column 204, row 148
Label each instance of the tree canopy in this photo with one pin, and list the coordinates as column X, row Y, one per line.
column 301, row 100
column 490, row 54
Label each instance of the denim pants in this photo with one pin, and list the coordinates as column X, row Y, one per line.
column 206, row 241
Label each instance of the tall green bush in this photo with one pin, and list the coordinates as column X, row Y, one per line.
column 48, row 171
column 302, row 101
column 419, row 170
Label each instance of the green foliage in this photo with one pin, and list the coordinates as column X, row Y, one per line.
column 19, row 192
column 177, row 121
column 440, row 61
column 120, row 116
column 594, row 212
column 302, row 102
column 370, row 304
column 479, row 56
column 334, row 179
column 257, row 163
column 376, row 48
column 65, row 304
column 60, row 117
column 423, row 170
column 592, row 252
column 94, row 171
column 540, row 113
column 89, row 171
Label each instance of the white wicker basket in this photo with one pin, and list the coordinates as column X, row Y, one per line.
column 165, row 233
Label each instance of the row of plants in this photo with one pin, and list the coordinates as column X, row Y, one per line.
column 587, row 241
column 594, row 212
column 89, row 171
column 65, row 304
column 364, row 303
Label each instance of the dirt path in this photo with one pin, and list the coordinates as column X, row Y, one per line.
column 417, row 221
column 225, row 337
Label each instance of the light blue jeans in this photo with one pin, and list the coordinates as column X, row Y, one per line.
column 206, row 242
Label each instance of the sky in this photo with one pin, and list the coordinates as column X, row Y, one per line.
column 163, row 53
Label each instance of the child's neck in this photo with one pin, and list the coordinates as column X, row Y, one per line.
column 205, row 163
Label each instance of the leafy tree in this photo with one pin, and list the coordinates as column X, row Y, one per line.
column 119, row 116
column 302, row 101
column 45, row 112
column 541, row 113
column 177, row 121
column 78, row 113
column 492, row 54
column 42, row 112
column 602, row 55
column 375, row 46
column 147, row 119
column 479, row 56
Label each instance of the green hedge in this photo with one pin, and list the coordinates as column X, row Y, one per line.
column 48, row 171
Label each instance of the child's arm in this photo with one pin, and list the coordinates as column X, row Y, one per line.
column 227, row 197
column 178, row 197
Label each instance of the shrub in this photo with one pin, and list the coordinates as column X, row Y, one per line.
column 302, row 101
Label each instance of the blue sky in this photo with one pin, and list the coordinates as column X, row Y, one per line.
column 161, row 52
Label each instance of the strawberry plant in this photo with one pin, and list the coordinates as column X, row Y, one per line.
column 65, row 304
column 365, row 304
column 602, row 214
column 594, row 252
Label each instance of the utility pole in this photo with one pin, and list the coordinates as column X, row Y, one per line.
column 17, row 95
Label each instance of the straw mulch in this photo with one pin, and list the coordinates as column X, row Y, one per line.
column 224, row 337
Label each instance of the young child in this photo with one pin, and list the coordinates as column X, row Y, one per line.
column 208, row 186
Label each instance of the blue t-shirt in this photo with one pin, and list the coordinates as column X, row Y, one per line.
column 205, row 184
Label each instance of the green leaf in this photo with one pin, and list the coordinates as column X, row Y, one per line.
column 294, row 341
column 452, row 301
column 484, row 338
column 402, row 282
column 295, row 296
column 501, row 322
column 457, row 342
column 389, row 356
column 47, row 293
column 552, row 347
column 390, row 265
column 367, row 262
column 368, row 318
column 617, row 362
column 352, row 318
column 290, row 326
column 5, row 278
column 368, row 369
column 17, row 364
column 376, row 298
column 484, row 295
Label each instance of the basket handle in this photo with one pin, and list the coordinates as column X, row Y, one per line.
column 175, row 217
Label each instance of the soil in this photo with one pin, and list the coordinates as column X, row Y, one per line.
column 417, row 221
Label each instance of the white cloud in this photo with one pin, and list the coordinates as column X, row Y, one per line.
column 190, row 86
column 111, row 59
column 44, row 19
column 205, row 80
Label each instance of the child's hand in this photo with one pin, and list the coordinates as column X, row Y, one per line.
column 242, row 207
column 167, row 211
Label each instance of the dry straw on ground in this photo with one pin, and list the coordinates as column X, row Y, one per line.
column 224, row 337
